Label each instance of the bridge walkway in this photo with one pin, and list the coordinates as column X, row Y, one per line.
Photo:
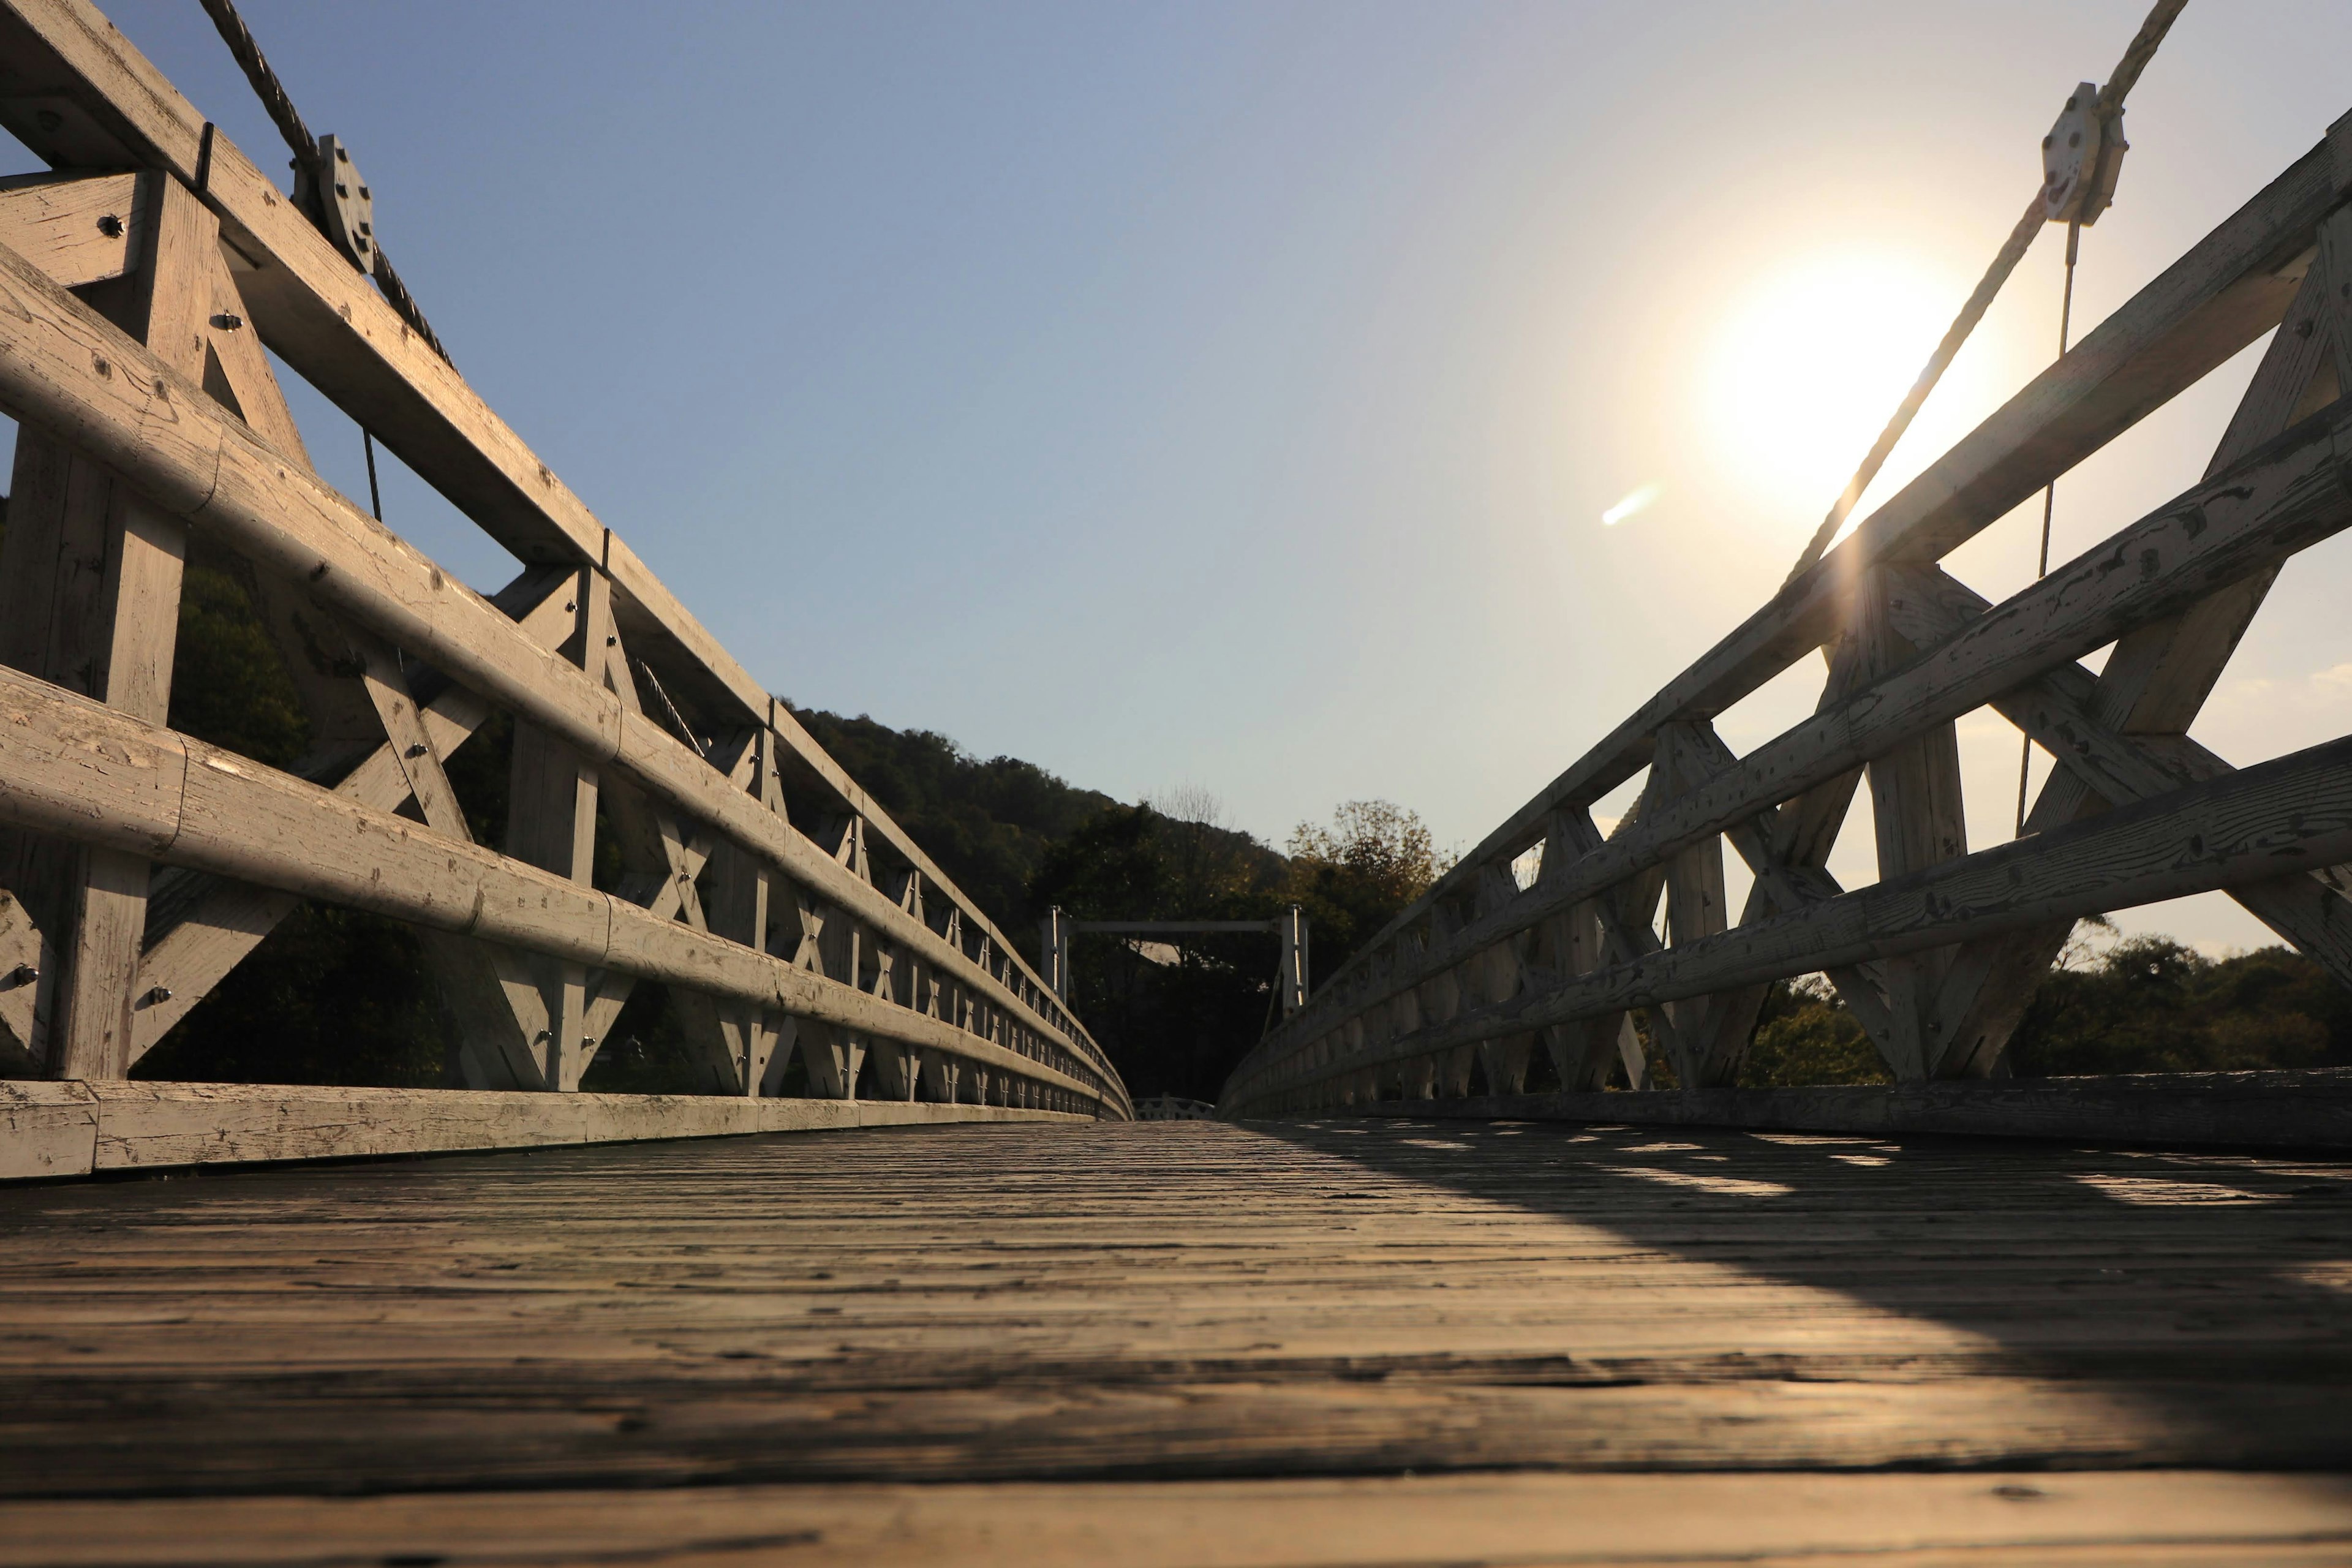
column 1187, row 1343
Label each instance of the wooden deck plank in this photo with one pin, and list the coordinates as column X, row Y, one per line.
column 2169, row 1517
column 1171, row 1301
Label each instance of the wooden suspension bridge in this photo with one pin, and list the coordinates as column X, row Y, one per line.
column 1396, row 1305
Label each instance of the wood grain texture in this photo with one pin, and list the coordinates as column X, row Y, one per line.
column 2001, row 1520
column 2266, row 822
column 2306, row 1110
column 46, row 1130
column 1170, row 1301
column 238, row 819
column 61, row 225
column 146, row 1126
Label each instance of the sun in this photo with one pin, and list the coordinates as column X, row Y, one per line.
column 1808, row 366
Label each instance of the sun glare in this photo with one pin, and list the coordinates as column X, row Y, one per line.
column 1809, row 365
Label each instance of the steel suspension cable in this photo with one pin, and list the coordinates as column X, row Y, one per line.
column 289, row 120
column 2137, row 53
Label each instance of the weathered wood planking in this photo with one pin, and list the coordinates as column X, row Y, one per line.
column 2308, row 1110
column 2001, row 1520
column 1174, row 1300
column 77, row 230
column 55, row 1130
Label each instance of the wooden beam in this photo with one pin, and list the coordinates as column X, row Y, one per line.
column 2294, row 815
column 79, row 229
column 1172, row 927
column 95, row 775
column 109, row 633
column 2276, row 1109
column 227, row 919
column 2155, row 680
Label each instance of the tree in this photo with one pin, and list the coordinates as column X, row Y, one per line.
column 2148, row 1003
column 1354, row 877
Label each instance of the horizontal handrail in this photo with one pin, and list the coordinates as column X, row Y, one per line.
column 97, row 775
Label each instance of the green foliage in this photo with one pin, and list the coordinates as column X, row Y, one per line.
column 2149, row 1004
column 229, row 685
column 1804, row 1035
column 987, row 824
column 1354, row 877
column 330, row 996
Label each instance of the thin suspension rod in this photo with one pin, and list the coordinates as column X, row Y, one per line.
column 376, row 500
column 2049, row 501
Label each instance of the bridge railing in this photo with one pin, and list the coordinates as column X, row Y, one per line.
column 789, row 913
column 1547, row 934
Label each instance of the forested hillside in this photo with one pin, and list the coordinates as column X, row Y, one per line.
column 988, row 824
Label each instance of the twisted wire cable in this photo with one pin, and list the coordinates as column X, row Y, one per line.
column 289, row 120
column 2137, row 53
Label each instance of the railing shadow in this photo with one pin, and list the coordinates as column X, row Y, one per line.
column 2208, row 1292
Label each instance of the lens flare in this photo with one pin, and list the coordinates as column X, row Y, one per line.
column 1633, row 505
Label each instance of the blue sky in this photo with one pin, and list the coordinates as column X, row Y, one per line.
column 1228, row 396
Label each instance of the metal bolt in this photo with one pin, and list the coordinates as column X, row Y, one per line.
column 2075, row 140
column 22, row 974
column 228, row 321
column 156, row 996
column 49, row 119
column 110, row 225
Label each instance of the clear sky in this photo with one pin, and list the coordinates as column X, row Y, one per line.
column 1229, row 395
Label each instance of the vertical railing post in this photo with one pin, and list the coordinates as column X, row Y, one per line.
column 89, row 599
column 1054, row 947
column 1291, row 926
